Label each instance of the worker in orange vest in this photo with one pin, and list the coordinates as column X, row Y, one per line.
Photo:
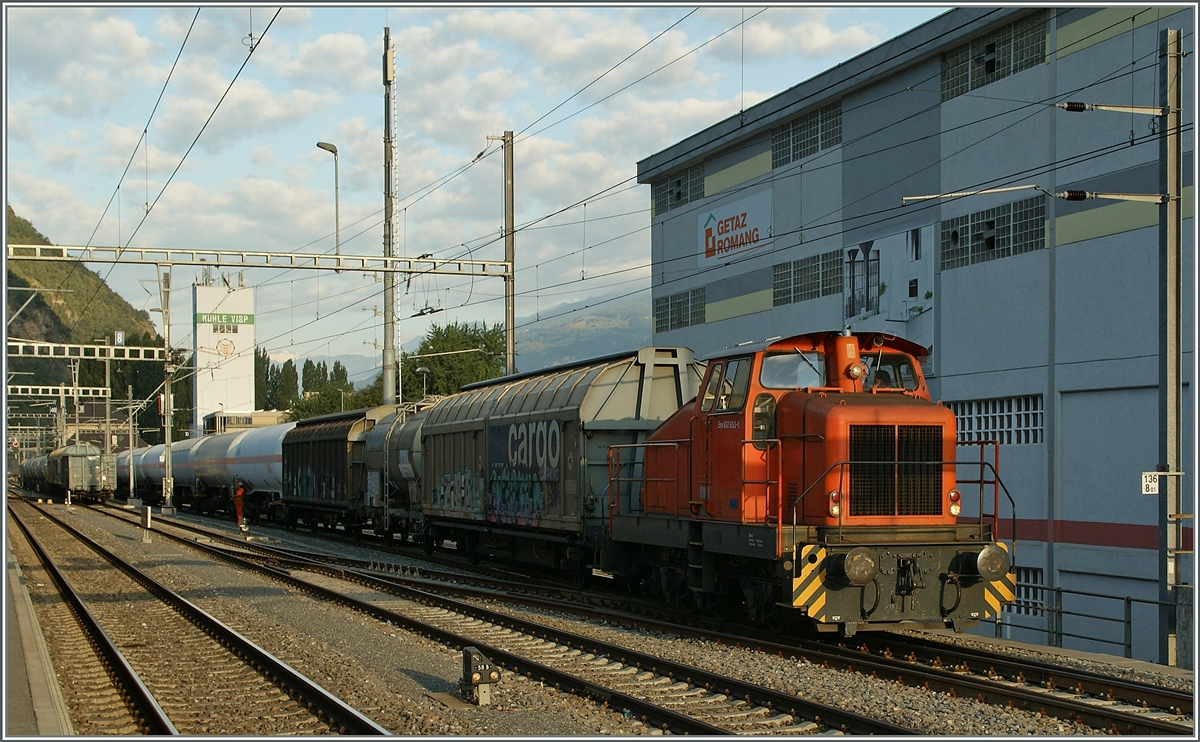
column 239, row 496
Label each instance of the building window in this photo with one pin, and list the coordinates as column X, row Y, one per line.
column 1001, row 232
column 225, row 329
column 807, row 135
column 1009, row 420
column 679, row 310
column 862, row 292
column 1030, row 598
column 807, row 278
column 677, row 189
column 1007, row 50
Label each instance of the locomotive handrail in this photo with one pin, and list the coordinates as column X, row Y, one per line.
column 983, row 482
column 982, row 464
column 769, row 443
column 614, row 469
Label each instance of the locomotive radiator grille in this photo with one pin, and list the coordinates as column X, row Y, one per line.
column 889, row 488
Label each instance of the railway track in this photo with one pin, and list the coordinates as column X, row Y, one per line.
column 1132, row 697
column 203, row 676
column 105, row 693
column 667, row 695
column 1102, row 702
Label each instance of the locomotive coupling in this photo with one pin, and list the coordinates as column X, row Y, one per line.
column 859, row 565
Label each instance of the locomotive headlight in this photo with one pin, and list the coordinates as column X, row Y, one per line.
column 955, row 504
column 835, row 503
column 855, row 371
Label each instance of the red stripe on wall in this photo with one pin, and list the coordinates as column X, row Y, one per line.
column 1089, row 533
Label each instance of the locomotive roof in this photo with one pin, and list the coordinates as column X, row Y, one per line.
column 816, row 338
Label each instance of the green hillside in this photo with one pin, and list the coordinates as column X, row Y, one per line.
column 90, row 311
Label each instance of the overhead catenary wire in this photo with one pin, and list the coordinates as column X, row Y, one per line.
column 437, row 184
column 182, row 159
column 583, row 202
column 814, row 165
column 631, row 186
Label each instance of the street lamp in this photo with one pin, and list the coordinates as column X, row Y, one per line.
column 424, row 372
column 337, row 226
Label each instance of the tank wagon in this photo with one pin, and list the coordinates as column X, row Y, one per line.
column 149, row 470
column 33, row 473
column 123, row 458
column 393, row 457
column 80, row 469
column 256, row 459
column 215, row 475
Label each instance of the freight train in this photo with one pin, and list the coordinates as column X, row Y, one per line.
column 79, row 470
column 808, row 476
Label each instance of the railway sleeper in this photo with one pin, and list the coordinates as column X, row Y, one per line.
column 700, row 702
column 807, row 727
column 731, row 718
column 672, row 689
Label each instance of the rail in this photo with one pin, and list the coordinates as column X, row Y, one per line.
column 149, row 714
column 1031, row 601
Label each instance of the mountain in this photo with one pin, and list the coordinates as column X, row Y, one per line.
column 585, row 329
column 86, row 311
column 91, row 309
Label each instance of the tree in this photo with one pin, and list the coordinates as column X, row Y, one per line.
column 289, row 386
column 272, row 400
column 339, row 377
column 337, row 396
column 262, row 368
column 482, row 360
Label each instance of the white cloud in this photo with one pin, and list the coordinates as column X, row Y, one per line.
column 337, row 61
column 78, row 61
column 249, row 110
column 83, row 81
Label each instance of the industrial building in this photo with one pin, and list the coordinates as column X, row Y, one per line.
column 1042, row 315
column 223, row 353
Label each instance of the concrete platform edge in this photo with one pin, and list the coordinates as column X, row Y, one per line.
column 53, row 717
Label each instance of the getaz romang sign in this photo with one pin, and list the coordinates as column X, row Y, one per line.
column 735, row 228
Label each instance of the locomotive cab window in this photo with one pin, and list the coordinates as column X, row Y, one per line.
column 734, row 385
column 889, row 371
column 710, row 389
column 794, row 369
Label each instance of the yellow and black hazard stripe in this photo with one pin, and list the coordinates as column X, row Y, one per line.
column 808, row 589
column 1001, row 591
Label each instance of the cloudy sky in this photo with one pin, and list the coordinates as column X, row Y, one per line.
column 111, row 110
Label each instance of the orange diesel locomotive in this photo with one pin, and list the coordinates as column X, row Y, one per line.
column 810, row 476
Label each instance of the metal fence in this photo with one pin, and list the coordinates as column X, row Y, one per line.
column 1063, row 621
